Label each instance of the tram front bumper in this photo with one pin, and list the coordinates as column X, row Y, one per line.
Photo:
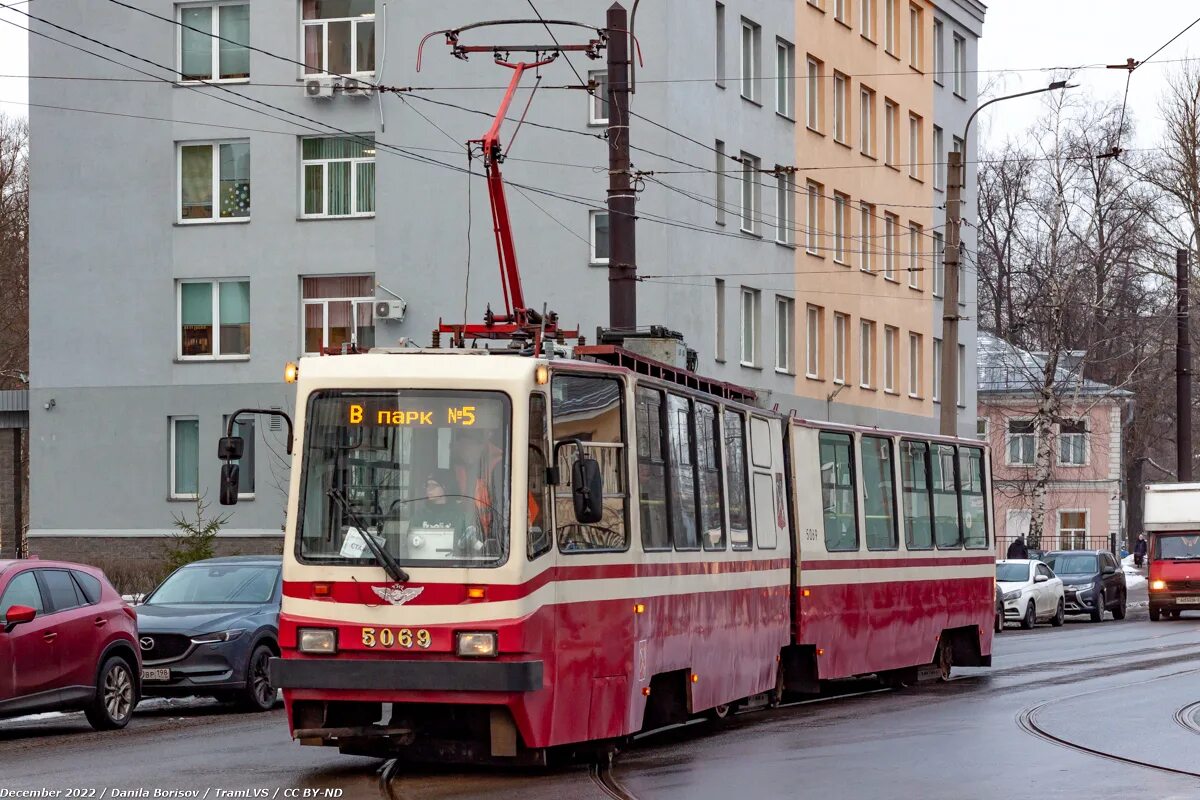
column 407, row 676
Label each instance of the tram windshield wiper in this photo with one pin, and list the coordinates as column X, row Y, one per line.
column 382, row 556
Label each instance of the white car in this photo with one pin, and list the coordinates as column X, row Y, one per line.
column 1032, row 592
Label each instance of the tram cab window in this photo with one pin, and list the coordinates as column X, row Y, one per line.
column 879, row 493
column 589, row 408
column 974, row 502
column 708, row 474
column 737, row 479
column 682, row 474
column 539, row 540
column 946, row 514
column 837, row 492
column 914, row 475
column 652, row 470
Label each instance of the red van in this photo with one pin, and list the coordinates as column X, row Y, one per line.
column 1174, row 573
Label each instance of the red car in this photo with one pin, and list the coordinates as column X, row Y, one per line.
column 68, row 642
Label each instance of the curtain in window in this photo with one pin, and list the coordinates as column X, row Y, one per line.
column 314, row 49
column 365, row 193
column 235, row 317
column 195, row 181
column 364, row 60
column 187, row 457
column 338, row 286
column 365, row 324
column 195, row 45
column 314, row 188
column 234, row 53
column 235, row 179
column 195, row 319
column 332, row 9
column 339, row 202
column 338, row 43
column 245, row 429
column 314, row 326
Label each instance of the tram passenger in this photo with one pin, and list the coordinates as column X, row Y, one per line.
column 479, row 474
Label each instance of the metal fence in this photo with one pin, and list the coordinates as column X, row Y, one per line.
column 1056, row 541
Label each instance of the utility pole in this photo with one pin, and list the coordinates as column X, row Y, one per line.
column 622, row 243
column 1183, row 370
column 950, row 316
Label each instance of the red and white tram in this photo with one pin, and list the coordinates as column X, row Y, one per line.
column 488, row 556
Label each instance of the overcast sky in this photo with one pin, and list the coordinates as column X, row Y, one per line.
column 1018, row 35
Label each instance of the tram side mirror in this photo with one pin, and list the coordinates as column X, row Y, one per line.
column 587, row 490
column 231, row 448
column 230, row 479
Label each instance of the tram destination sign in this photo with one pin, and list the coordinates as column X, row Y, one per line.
column 417, row 413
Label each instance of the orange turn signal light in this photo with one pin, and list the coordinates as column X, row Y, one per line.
column 639, row 608
column 695, row 678
column 322, row 590
column 542, row 375
column 290, row 372
column 476, row 592
column 805, row 593
column 820, row 651
column 645, row 691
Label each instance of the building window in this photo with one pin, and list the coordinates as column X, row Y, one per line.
column 751, row 326
column 839, row 107
column 751, row 59
column 841, row 347
column 916, row 30
column 890, row 341
column 720, row 175
column 751, row 194
column 960, row 66
column 866, row 354
column 839, row 11
column 1072, row 529
column 890, row 134
column 914, row 146
column 914, row 365
column 935, row 380
column 185, row 458
column 867, row 25
column 785, row 205
column 914, row 253
column 981, row 429
column 962, row 376
column 866, row 121
column 720, row 44
column 245, row 429
column 339, row 37
column 785, row 78
column 214, row 42
column 815, row 99
column 812, row 354
column 338, row 175
column 866, row 236
column 889, row 26
column 939, row 51
column 1022, row 443
column 812, row 234
column 598, row 231
column 785, row 333
column 889, row 246
column 214, row 319
column 840, row 201
column 214, row 181
column 339, row 311
column 598, row 100
column 720, row 320
column 939, row 264
column 939, row 159
column 1072, row 444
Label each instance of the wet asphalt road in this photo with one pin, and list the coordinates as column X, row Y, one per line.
column 1124, row 689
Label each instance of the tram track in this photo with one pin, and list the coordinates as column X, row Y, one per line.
column 603, row 775
column 1186, row 717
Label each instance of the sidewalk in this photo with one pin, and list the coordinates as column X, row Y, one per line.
column 1135, row 583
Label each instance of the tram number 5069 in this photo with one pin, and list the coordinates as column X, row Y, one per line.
column 402, row 637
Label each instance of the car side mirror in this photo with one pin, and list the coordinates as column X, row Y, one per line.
column 17, row 615
column 1040, row 579
column 230, row 480
column 587, row 490
column 1109, row 571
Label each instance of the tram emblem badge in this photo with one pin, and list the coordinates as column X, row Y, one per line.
column 397, row 594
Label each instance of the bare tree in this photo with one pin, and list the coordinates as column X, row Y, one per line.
column 14, row 252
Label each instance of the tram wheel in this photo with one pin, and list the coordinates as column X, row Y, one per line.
column 719, row 713
column 945, row 660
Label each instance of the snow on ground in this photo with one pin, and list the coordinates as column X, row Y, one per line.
column 1134, row 576
column 148, row 704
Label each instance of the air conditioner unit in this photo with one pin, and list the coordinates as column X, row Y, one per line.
column 318, row 88
column 352, row 87
column 390, row 309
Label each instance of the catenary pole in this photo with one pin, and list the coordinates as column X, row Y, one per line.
column 1183, row 370
column 622, row 243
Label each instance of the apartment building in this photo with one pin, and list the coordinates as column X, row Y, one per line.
column 221, row 217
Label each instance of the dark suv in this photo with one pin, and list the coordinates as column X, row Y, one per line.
column 1093, row 582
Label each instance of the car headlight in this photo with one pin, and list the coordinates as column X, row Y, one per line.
column 476, row 644
column 1158, row 586
column 1082, row 588
column 1013, row 595
column 219, row 636
column 318, row 641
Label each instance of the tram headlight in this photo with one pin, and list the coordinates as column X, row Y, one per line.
column 476, row 644
column 317, row 641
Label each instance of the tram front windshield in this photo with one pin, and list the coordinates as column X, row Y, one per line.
column 426, row 473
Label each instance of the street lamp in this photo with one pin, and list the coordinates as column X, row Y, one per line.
column 955, row 183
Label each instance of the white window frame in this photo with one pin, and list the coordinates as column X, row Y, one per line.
column 785, row 79
column 323, row 24
column 593, row 259
column 935, row 381
column 914, row 146
column 866, row 220
column 812, row 342
column 598, row 102
column 1084, row 447
column 939, row 158
column 867, row 19
column 839, row 108
column 720, row 44
column 866, row 122
column 785, row 209
column 889, row 247
column 916, row 24
column 914, row 252
column 839, row 11
column 751, row 188
column 215, row 63
column 241, row 461
column 1009, row 436
column 750, row 82
column 891, row 338
column 914, row 365
column 719, row 173
column 324, row 163
column 354, row 302
column 719, row 286
column 866, row 354
column 1081, row 533
column 982, row 428
column 785, row 324
column 889, row 26
column 755, row 308
column 841, row 346
column 812, row 116
column 215, row 284
column 960, row 66
column 812, row 228
column 216, row 218
column 939, row 266
column 840, row 201
column 939, row 52
column 171, row 431
column 890, row 111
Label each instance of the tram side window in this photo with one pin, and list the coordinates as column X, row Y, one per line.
column 879, row 493
column 683, row 474
column 652, row 467
column 708, row 466
column 539, row 540
column 837, row 492
column 590, row 409
column 737, row 479
column 946, row 515
column 974, row 503
column 914, row 475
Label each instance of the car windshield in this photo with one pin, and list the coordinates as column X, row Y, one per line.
column 424, row 473
column 1177, row 546
column 1073, row 563
column 1012, row 573
column 214, row 584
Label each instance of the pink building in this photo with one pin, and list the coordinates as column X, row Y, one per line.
column 1083, row 497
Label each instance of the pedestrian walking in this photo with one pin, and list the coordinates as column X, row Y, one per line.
column 1018, row 549
column 1139, row 550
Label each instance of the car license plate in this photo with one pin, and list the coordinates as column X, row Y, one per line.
column 165, row 674
column 1191, row 601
